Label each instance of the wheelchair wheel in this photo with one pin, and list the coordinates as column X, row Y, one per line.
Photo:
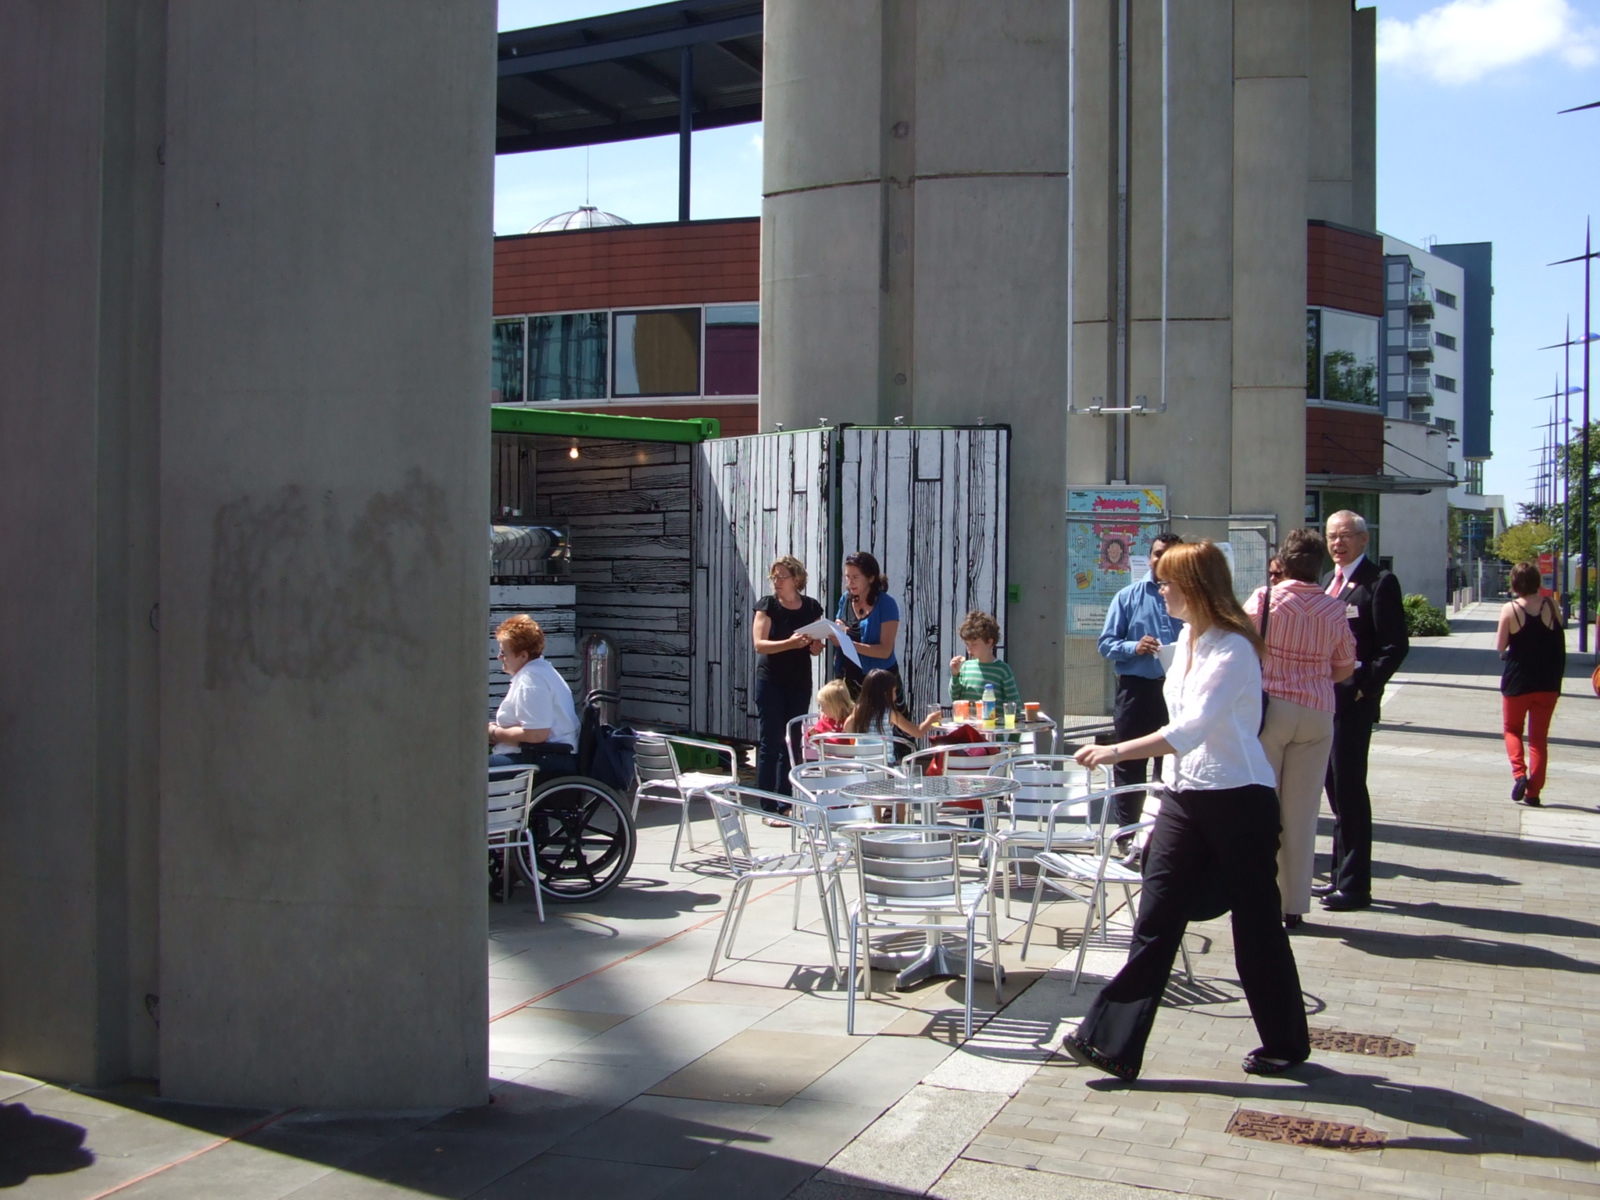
column 583, row 839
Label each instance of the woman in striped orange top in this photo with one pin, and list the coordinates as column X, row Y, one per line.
column 1309, row 649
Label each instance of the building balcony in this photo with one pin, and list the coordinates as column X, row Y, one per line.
column 1420, row 343
column 1419, row 389
column 1419, row 299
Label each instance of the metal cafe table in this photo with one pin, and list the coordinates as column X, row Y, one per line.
column 1042, row 728
column 927, row 794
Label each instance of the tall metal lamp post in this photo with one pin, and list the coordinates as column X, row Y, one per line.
column 1585, row 557
column 1567, row 392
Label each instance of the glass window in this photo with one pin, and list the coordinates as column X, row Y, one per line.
column 1349, row 346
column 657, row 353
column 1445, row 298
column 1397, row 336
column 1395, row 291
column 1444, row 383
column 1313, row 515
column 1397, row 272
column 733, row 349
column 567, row 356
column 1444, row 340
column 1313, row 353
column 506, row 378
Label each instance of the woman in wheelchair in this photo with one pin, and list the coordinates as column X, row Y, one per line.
column 537, row 723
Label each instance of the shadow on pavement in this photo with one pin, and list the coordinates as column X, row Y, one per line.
column 1479, row 1127
column 1449, row 947
column 1461, row 841
column 32, row 1144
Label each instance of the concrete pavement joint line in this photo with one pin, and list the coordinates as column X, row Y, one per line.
column 194, row 1154
column 656, row 945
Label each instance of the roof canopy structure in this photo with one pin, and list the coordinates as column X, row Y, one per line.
column 627, row 75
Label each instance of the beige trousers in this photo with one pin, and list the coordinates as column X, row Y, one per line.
column 1297, row 740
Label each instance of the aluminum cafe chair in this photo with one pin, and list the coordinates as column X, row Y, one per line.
column 510, row 797
column 1064, row 872
column 1056, row 807
column 814, row 856
column 911, row 878
column 794, row 738
column 658, row 777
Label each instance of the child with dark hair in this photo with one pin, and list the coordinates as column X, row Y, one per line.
column 875, row 710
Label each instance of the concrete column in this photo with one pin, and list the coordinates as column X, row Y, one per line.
column 991, row 280
column 822, row 253
column 1329, row 79
column 244, row 467
column 81, row 82
column 1269, row 258
column 324, row 455
column 1364, row 119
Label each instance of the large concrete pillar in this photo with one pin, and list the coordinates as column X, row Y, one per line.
column 251, row 465
column 81, row 84
column 1269, row 257
column 1330, row 79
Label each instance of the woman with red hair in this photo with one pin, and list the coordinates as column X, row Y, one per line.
column 1218, row 822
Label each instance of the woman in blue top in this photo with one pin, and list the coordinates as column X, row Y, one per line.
column 869, row 615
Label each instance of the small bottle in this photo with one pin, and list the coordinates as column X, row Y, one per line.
column 988, row 705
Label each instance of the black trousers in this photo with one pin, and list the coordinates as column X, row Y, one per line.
column 1231, row 835
column 1139, row 709
column 776, row 706
column 1351, row 802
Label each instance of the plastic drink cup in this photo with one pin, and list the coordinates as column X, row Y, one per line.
column 960, row 710
column 1011, row 714
column 1030, row 709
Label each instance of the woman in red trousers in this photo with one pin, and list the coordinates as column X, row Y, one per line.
column 1533, row 645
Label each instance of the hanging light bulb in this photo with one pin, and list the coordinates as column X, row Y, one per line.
column 573, row 452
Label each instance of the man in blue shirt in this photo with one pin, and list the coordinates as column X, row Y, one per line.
column 1137, row 626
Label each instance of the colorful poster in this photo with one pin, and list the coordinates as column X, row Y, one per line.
column 1109, row 530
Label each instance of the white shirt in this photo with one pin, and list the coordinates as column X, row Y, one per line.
column 539, row 698
column 1215, row 709
column 1344, row 580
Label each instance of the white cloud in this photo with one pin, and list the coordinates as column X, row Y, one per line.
column 1464, row 40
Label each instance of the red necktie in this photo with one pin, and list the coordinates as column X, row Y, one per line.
column 1337, row 585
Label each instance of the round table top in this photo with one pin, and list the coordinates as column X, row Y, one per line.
column 1023, row 725
column 931, row 788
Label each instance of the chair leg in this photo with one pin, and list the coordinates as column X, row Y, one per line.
column 1188, row 967
column 850, row 999
column 677, row 841
column 538, row 892
column 972, row 933
column 994, row 957
column 795, row 923
column 1033, row 912
column 742, row 891
column 827, row 923
column 1088, row 927
column 1005, row 884
column 729, row 923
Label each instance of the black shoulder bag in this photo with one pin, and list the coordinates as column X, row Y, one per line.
column 1266, row 611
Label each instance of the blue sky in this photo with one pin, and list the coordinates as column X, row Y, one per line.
column 1469, row 149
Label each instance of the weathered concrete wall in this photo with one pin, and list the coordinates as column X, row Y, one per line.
column 324, row 454
column 81, row 84
column 243, row 459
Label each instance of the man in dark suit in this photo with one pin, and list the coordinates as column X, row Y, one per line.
column 1373, row 604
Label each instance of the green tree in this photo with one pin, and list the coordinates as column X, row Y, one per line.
column 1522, row 543
column 1572, row 470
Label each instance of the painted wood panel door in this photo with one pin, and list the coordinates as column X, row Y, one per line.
column 755, row 498
column 931, row 505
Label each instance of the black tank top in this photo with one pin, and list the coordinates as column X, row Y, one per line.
column 1536, row 655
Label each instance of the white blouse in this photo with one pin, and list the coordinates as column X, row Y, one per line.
column 1214, row 706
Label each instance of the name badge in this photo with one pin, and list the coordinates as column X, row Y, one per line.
column 1351, row 612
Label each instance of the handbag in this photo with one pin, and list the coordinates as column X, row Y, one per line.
column 1266, row 611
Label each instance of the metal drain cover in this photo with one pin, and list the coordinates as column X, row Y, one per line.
column 1303, row 1131
column 1373, row 1044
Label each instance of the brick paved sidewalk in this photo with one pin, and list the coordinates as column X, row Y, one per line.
column 1482, row 950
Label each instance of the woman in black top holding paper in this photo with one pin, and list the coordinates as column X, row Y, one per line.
column 783, row 676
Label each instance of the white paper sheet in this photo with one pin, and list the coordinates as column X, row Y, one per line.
column 822, row 630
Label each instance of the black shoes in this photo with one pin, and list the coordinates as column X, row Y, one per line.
column 1324, row 889
column 1291, row 921
column 1519, row 787
column 1085, row 1055
column 1257, row 1063
column 1345, row 902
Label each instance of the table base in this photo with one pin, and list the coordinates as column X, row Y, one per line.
column 936, row 960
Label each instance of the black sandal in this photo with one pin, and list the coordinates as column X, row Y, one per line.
column 1085, row 1055
column 1257, row 1063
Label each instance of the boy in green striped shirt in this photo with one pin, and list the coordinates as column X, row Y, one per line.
column 968, row 673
